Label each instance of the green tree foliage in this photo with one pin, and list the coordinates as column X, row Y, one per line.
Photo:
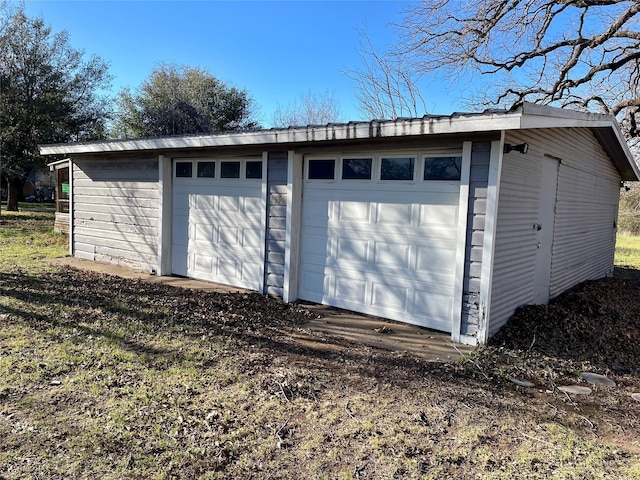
column 629, row 212
column 49, row 93
column 178, row 100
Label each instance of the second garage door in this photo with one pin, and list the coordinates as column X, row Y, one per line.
column 380, row 235
column 218, row 221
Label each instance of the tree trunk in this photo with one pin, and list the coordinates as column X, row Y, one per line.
column 15, row 192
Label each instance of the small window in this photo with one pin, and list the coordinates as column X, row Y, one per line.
column 254, row 170
column 230, row 170
column 442, row 168
column 356, row 169
column 397, row 168
column 184, row 169
column 322, row 169
column 206, row 169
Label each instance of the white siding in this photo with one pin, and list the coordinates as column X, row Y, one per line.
column 115, row 209
column 515, row 243
column 584, row 234
column 586, row 211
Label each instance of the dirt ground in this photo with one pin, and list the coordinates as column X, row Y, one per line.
column 308, row 402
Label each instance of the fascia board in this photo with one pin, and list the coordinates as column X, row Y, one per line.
column 426, row 126
column 614, row 143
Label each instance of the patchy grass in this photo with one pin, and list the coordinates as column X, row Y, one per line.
column 628, row 251
column 27, row 238
column 48, row 207
column 102, row 377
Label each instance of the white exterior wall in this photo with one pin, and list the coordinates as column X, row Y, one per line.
column 586, row 212
column 586, row 206
column 115, row 211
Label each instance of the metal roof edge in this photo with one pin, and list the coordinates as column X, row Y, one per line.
column 605, row 127
column 525, row 116
column 427, row 125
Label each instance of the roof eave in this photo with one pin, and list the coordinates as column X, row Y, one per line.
column 310, row 134
column 527, row 116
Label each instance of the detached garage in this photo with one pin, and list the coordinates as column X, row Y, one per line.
column 447, row 222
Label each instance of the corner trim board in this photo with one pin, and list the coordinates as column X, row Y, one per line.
column 463, row 207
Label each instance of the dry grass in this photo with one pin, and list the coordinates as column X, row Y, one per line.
column 102, row 377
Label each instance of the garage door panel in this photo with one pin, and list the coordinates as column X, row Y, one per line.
column 414, row 232
column 314, row 283
column 353, row 212
column 431, row 215
column 206, row 202
column 386, row 249
column 435, row 259
column 386, row 254
column 206, row 234
column 352, row 289
column 315, row 247
column 228, row 268
column 389, row 297
column 229, row 236
column 351, row 249
column 394, row 214
column 218, row 230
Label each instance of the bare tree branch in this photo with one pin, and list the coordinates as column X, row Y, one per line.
column 310, row 109
column 387, row 86
column 570, row 52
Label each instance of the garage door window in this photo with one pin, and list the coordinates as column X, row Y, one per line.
column 184, row 169
column 356, row 168
column 206, row 169
column 253, row 170
column 442, row 168
column 230, row 170
column 397, row 168
column 322, row 169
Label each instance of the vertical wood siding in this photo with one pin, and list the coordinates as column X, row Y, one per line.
column 276, row 222
column 115, row 209
column 475, row 233
column 586, row 205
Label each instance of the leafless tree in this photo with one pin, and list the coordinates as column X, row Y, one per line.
column 580, row 53
column 386, row 84
column 309, row 109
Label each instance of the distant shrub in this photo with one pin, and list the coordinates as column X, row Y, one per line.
column 629, row 211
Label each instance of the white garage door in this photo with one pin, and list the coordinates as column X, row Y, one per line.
column 218, row 226
column 379, row 235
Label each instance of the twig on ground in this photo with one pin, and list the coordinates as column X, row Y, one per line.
column 348, row 410
column 277, row 433
column 283, row 392
column 575, row 405
column 530, row 437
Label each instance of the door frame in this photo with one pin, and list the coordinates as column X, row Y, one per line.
column 545, row 227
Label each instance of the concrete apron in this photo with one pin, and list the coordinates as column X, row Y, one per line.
column 374, row 332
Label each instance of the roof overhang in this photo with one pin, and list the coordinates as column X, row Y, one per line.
column 527, row 116
column 58, row 164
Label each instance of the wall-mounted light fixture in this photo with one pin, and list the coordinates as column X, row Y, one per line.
column 522, row 148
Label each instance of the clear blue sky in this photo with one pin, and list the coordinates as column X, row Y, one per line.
column 275, row 50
